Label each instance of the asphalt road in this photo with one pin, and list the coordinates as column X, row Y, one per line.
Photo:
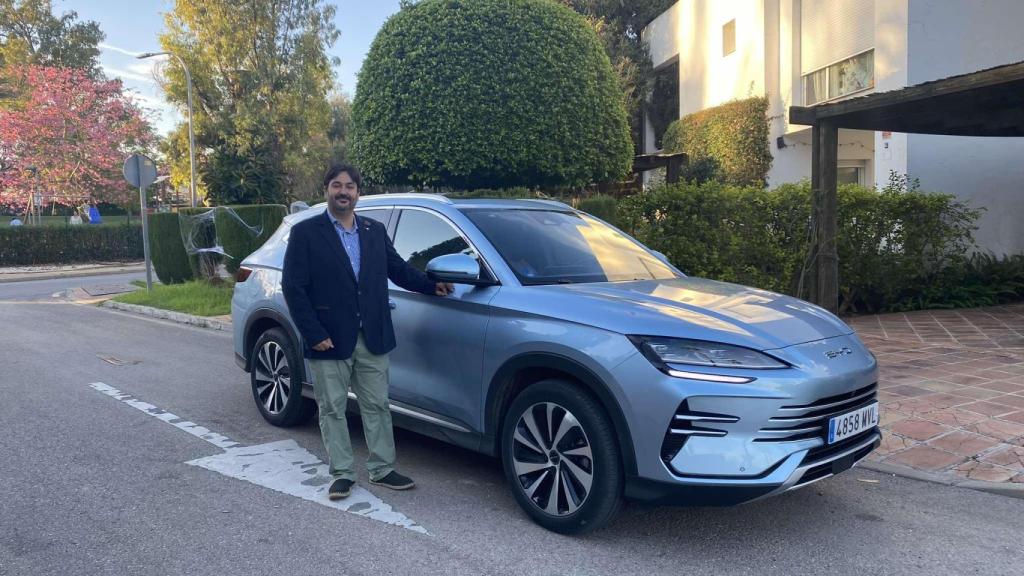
column 94, row 486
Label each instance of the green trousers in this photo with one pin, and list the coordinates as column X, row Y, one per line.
column 367, row 375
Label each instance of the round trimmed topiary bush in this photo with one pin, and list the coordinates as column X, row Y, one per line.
column 489, row 94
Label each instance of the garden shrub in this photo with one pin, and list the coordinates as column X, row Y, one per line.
column 243, row 229
column 899, row 248
column 734, row 135
column 170, row 262
column 36, row 245
column 489, row 94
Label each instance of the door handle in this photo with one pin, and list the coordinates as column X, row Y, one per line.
column 391, row 304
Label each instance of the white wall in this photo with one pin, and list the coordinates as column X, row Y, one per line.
column 662, row 35
column 707, row 78
column 948, row 38
column 891, row 21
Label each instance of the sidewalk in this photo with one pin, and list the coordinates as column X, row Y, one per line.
column 48, row 272
column 951, row 389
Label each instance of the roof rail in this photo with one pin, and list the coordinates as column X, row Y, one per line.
column 549, row 202
column 413, row 196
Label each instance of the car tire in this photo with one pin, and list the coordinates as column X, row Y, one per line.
column 276, row 376
column 584, row 464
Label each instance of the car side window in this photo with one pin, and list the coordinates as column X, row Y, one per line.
column 422, row 236
column 382, row 215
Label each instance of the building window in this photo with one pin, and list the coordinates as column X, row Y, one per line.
column 729, row 37
column 852, row 172
column 840, row 79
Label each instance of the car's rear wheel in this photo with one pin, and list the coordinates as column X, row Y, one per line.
column 276, row 376
column 561, row 458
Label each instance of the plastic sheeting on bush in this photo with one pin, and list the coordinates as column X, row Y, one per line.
column 225, row 235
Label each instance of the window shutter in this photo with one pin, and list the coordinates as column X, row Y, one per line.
column 832, row 30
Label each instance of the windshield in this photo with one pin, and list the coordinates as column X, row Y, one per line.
column 551, row 247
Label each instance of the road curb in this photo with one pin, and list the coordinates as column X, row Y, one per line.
column 179, row 317
column 51, row 275
column 1001, row 488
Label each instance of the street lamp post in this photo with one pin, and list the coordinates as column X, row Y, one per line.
column 191, row 134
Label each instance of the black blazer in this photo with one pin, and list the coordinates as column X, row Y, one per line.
column 325, row 298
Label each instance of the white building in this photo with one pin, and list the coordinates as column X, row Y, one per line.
column 805, row 52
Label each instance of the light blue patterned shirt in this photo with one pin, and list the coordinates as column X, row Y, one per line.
column 350, row 240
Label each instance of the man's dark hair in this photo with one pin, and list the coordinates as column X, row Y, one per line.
column 336, row 169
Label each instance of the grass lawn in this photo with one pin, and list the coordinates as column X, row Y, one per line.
column 198, row 298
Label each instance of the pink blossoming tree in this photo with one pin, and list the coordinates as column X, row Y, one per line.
column 68, row 139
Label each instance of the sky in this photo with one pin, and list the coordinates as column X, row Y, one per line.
column 132, row 27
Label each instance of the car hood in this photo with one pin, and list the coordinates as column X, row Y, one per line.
column 692, row 308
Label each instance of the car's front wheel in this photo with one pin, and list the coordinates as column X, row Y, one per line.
column 276, row 376
column 561, row 458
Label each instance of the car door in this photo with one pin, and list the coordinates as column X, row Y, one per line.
column 437, row 365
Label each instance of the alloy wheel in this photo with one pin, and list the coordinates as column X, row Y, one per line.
column 552, row 459
column 273, row 377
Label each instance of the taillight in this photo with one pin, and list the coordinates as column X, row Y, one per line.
column 243, row 274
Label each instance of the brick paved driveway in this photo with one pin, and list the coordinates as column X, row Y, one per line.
column 951, row 390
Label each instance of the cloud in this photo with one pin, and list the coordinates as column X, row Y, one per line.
column 116, row 49
column 129, row 74
column 145, row 68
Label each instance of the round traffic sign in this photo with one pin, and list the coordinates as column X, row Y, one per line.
column 139, row 170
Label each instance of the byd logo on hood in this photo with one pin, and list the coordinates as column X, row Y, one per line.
column 833, row 354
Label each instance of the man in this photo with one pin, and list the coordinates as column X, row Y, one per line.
column 15, row 221
column 335, row 281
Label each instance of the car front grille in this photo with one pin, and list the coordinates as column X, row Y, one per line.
column 687, row 423
column 809, row 421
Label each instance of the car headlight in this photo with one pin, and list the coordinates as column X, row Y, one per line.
column 662, row 351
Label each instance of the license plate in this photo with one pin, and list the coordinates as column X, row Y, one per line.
column 852, row 423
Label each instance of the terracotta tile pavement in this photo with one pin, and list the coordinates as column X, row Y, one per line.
column 951, row 389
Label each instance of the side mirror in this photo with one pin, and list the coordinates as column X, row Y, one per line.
column 298, row 206
column 455, row 268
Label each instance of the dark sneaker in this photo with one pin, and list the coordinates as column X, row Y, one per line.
column 395, row 481
column 340, row 489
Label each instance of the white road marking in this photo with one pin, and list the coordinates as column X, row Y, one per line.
column 282, row 466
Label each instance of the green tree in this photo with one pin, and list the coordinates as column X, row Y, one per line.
column 173, row 150
column 341, row 125
column 619, row 24
column 261, row 75
column 489, row 94
column 30, row 34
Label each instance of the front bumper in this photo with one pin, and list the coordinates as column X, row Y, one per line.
column 729, row 493
column 710, row 443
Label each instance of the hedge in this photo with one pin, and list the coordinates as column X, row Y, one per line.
column 489, row 94
column 601, row 206
column 899, row 248
column 734, row 136
column 35, row 245
column 243, row 229
column 239, row 230
column 197, row 231
column 170, row 262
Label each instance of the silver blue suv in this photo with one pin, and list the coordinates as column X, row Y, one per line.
column 591, row 366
